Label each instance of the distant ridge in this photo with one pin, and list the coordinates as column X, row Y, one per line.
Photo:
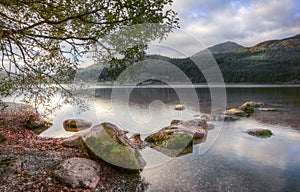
column 287, row 43
column 225, row 47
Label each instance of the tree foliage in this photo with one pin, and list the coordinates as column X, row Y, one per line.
column 43, row 41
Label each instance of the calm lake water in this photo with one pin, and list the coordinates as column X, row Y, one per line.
column 229, row 159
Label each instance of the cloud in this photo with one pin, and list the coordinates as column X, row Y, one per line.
column 245, row 22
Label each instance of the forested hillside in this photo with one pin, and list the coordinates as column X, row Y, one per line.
column 274, row 61
column 267, row 62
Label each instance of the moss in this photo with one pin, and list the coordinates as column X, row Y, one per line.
column 249, row 110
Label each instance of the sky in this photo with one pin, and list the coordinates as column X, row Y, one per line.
column 246, row 22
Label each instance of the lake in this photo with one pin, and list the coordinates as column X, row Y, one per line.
column 229, row 159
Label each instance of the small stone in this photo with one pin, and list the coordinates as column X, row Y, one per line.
column 260, row 132
column 75, row 125
column 179, row 107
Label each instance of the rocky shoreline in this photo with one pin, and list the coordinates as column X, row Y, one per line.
column 28, row 162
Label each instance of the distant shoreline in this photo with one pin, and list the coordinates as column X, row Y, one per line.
column 198, row 85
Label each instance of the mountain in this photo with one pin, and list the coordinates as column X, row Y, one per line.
column 287, row 43
column 222, row 48
column 271, row 61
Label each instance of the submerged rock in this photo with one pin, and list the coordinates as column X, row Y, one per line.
column 178, row 138
column 78, row 173
column 266, row 109
column 75, row 125
column 260, row 132
column 210, row 126
column 207, row 117
column 109, row 143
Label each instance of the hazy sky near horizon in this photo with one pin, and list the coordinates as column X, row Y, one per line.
column 246, row 22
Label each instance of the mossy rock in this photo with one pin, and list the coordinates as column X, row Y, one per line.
column 237, row 112
column 260, row 132
column 178, row 141
column 2, row 138
column 251, row 104
column 113, row 147
column 159, row 137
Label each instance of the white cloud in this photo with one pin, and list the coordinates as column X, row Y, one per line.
column 245, row 22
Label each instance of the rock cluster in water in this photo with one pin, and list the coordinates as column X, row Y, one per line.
column 245, row 110
column 178, row 138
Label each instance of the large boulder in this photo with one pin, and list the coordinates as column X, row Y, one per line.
column 78, row 173
column 75, row 125
column 178, row 138
column 109, row 143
